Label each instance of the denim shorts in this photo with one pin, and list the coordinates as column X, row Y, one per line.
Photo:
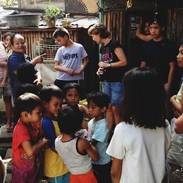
column 115, row 91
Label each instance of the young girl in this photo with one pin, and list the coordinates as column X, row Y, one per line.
column 140, row 143
column 25, row 145
column 76, row 152
column 72, row 97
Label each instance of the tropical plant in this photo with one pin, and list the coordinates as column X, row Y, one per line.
column 52, row 12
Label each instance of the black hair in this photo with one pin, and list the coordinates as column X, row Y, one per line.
column 70, row 120
column 157, row 19
column 26, row 73
column 100, row 30
column 27, row 88
column 61, row 32
column 69, row 86
column 26, row 103
column 144, row 99
column 49, row 91
column 99, row 99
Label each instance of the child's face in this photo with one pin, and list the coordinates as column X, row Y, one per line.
column 7, row 41
column 18, row 44
column 96, row 38
column 155, row 30
column 35, row 115
column 180, row 57
column 96, row 111
column 53, row 106
column 62, row 41
column 72, row 97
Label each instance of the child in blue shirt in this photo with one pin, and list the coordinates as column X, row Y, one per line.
column 54, row 167
column 99, row 133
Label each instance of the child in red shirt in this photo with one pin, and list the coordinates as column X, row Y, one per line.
column 25, row 144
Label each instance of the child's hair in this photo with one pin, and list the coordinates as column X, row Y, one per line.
column 144, row 99
column 100, row 30
column 49, row 91
column 61, row 32
column 26, row 103
column 70, row 120
column 5, row 35
column 27, row 88
column 26, row 73
column 99, row 99
column 69, row 86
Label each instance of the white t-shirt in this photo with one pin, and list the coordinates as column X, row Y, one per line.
column 70, row 57
column 3, row 57
column 143, row 152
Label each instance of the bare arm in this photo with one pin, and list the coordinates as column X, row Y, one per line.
column 116, row 170
column 32, row 150
column 38, row 59
column 177, row 107
column 122, row 60
column 141, row 36
column 85, row 147
column 62, row 68
column 179, row 124
column 82, row 67
column 170, row 75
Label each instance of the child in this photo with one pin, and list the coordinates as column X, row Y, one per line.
column 99, row 133
column 5, row 51
column 76, row 152
column 140, row 143
column 54, row 168
column 25, row 146
column 16, row 59
column 70, row 59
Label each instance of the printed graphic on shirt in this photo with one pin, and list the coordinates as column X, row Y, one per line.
column 70, row 56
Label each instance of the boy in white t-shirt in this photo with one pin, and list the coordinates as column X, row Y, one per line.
column 70, row 59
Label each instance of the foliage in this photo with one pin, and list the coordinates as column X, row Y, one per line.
column 8, row 2
column 52, row 12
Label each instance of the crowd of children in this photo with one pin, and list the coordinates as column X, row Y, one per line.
column 120, row 135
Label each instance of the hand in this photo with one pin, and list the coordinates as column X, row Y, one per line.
column 79, row 71
column 38, row 81
column 39, row 59
column 103, row 65
column 70, row 71
column 100, row 71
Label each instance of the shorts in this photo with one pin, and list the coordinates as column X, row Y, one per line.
column 115, row 90
column 60, row 179
column 5, row 91
column 83, row 178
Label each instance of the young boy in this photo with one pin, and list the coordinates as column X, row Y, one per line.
column 99, row 133
column 70, row 59
column 54, row 168
column 159, row 53
column 25, row 145
column 111, row 67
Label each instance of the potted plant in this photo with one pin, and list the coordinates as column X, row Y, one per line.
column 51, row 13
